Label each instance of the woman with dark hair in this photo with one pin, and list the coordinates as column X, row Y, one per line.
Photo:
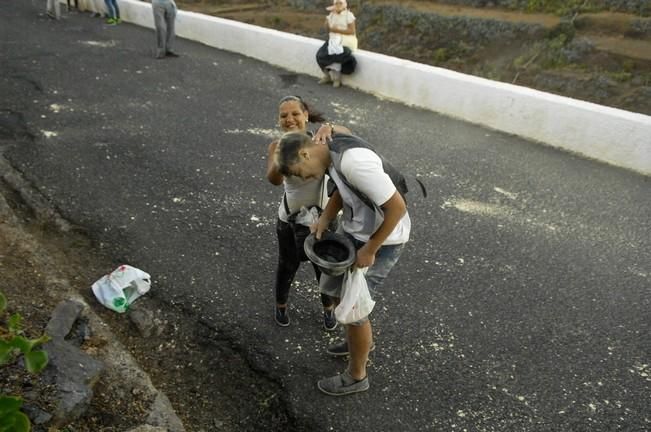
column 294, row 116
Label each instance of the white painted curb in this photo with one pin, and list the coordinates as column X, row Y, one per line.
column 610, row 135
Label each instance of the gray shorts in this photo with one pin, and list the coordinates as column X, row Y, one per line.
column 385, row 258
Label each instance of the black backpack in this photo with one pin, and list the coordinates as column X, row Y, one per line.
column 342, row 142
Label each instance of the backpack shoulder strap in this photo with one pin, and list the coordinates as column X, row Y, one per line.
column 338, row 145
column 342, row 142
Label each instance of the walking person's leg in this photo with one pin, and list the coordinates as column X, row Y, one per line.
column 161, row 29
column 360, row 338
column 329, row 319
column 110, row 11
column 170, row 18
column 359, row 335
column 117, row 10
column 53, row 9
column 57, row 9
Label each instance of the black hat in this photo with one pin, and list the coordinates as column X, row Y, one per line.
column 334, row 253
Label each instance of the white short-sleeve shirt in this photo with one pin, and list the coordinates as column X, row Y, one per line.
column 363, row 169
column 341, row 20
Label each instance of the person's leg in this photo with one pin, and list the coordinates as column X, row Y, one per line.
column 53, row 9
column 287, row 262
column 170, row 18
column 323, row 62
column 110, row 10
column 117, row 10
column 161, row 30
column 360, row 338
column 359, row 335
column 329, row 318
column 327, row 302
column 335, row 74
column 326, row 79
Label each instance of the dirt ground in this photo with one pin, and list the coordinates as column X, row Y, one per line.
column 208, row 381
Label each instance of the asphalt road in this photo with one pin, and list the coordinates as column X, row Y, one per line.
column 520, row 304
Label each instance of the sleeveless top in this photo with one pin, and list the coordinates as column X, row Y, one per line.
column 301, row 193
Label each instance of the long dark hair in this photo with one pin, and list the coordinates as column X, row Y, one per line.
column 313, row 115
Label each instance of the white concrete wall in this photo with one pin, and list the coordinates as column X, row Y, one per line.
column 618, row 137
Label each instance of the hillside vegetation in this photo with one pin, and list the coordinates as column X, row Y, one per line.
column 593, row 50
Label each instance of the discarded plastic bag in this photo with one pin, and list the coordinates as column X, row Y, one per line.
column 120, row 288
column 307, row 216
column 356, row 301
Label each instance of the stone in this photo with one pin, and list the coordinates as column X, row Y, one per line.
column 63, row 318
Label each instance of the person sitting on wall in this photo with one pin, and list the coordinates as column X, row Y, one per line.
column 335, row 56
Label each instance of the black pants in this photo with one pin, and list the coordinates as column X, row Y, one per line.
column 347, row 60
column 288, row 262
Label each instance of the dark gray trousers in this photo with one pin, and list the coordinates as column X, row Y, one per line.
column 164, row 16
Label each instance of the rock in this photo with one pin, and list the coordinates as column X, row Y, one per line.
column 145, row 321
column 36, row 414
column 63, row 318
column 73, row 371
column 162, row 414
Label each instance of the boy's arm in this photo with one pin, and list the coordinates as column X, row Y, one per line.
column 329, row 213
column 394, row 209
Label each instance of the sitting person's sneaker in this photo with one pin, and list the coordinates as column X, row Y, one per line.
column 341, row 349
column 329, row 319
column 111, row 21
column 281, row 316
column 342, row 385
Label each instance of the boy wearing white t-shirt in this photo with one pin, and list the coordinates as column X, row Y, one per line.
column 374, row 217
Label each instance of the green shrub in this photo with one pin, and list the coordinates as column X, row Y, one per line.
column 621, row 76
column 560, row 7
column 441, row 55
column 11, row 418
column 12, row 344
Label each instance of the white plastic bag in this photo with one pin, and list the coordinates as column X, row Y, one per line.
column 307, row 216
column 120, row 288
column 356, row 302
column 335, row 45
